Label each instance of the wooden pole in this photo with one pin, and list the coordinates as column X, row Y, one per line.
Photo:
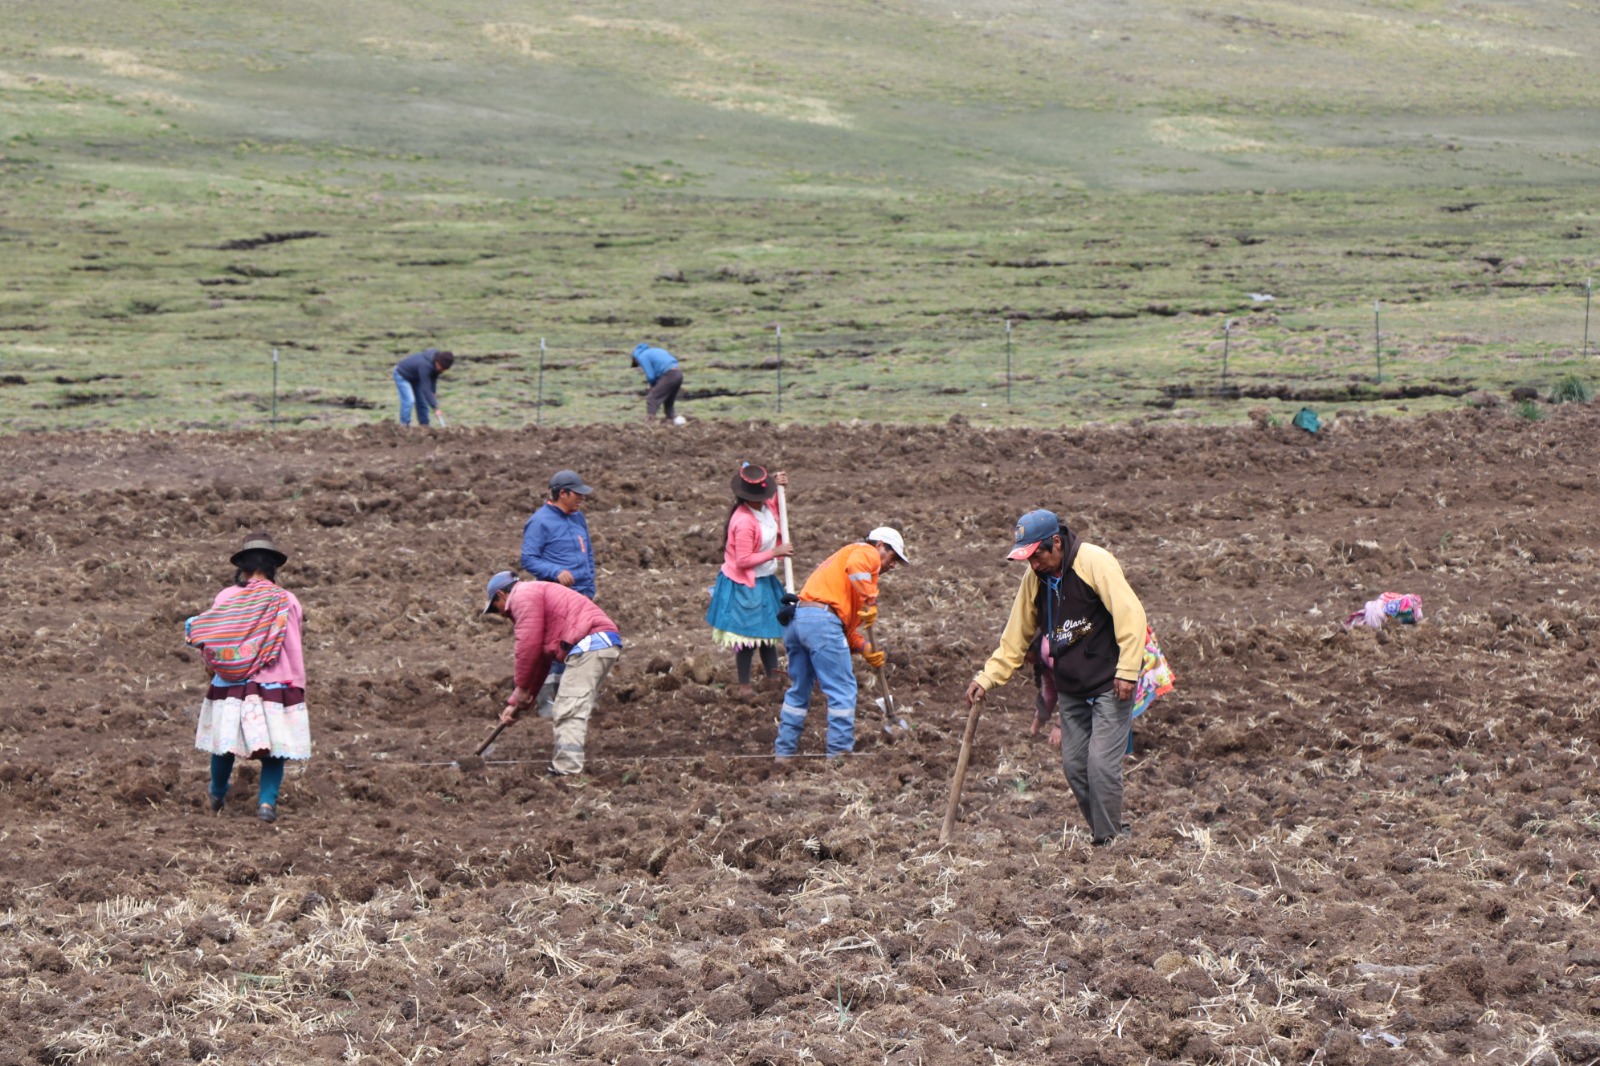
column 783, row 526
column 961, row 772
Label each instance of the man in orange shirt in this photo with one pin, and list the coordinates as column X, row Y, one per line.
column 838, row 600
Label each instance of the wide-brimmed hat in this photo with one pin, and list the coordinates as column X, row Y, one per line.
column 752, row 483
column 259, row 541
column 890, row 536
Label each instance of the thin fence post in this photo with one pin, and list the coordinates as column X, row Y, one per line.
column 274, row 388
column 779, row 328
column 1227, row 337
column 1008, row 362
column 1377, row 339
column 538, row 406
column 1588, row 291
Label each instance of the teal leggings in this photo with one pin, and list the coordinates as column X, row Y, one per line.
column 271, row 777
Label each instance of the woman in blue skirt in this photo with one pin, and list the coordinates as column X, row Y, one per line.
column 744, row 604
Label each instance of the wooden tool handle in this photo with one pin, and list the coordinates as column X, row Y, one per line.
column 497, row 731
column 961, row 772
column 783, row 527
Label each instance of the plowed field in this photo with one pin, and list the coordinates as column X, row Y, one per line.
column 1348, row 846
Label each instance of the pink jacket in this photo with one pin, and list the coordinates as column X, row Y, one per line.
column 743, row 551
column 549, row 619
column 290, row 668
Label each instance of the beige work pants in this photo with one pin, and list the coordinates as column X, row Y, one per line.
column 575, row 700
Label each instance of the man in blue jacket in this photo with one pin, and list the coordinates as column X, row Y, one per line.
column 662, row 372
column 416, row 377
column 556, row 547
column 555, row 539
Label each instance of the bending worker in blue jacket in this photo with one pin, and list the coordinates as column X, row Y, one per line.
column 665, row 377
column 416, row 377
column 556, row 547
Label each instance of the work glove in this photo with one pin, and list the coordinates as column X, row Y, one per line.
column 876, row 655
column 869, row 615
column 786, row 612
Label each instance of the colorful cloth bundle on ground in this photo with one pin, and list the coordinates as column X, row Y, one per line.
column 1403, row 607
column 244, row 635
column 1155, row 676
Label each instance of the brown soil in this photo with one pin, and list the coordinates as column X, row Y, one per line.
column 1348, row 846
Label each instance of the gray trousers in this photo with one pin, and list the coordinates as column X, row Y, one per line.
column 663, row 395
column 1094, row 738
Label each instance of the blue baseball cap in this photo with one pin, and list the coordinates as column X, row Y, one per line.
column 498, row 584
column 568, row 479
column 1033, row 529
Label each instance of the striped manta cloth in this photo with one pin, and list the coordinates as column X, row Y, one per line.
column 244, row 635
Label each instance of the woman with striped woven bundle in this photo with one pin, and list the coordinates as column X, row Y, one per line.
column 255, row 705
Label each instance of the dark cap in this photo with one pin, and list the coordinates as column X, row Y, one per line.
column 259, row 541
column 1033, row 529
column 498, row 584
column 752, row 484
column 568, row 479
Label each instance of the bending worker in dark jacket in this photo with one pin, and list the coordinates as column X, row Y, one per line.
column 416, row 378
column 1075, row 595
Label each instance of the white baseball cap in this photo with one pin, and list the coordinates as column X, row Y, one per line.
column 891, row 537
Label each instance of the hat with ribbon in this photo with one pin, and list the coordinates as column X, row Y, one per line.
column 753, row 484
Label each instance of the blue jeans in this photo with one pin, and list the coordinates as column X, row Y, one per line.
column 408, row 400
column 271, row 777
column 818, row 655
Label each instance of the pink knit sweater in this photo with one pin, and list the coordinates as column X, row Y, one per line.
column 743, row 552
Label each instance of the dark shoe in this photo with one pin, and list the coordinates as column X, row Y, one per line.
column 215, row 801
column 267, row 812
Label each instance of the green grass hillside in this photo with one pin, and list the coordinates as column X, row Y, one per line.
column 889, row 182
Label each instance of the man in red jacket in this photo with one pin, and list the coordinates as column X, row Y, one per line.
column 555, row 624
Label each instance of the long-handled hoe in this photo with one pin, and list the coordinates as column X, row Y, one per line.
column 894, row 725
column 475, row 760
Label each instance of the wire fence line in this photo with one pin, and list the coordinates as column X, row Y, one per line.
column 1024, row 368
